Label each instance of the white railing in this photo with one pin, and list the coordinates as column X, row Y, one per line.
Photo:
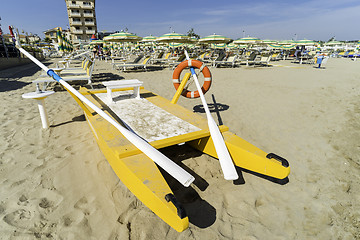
column 87, row 7
column 90, row 31
column 88, row 15
column 76, row 23
column 71, row 5
column 89, row 23
column 75, row 14
column 78, row 31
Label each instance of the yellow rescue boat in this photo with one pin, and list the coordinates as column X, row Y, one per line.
column 138, row 172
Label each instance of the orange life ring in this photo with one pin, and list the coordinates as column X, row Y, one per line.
column 197, row 64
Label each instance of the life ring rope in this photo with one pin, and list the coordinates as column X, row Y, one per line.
column 202, row 68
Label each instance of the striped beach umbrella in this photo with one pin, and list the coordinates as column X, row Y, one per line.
column 306, row 42
column 122, row 37
column 332, row 43
column 218, row 45
column 176, row 44
column 247, row 40
column 268, row 41
column 60, row 41
column 215, row 39
column 97, row 42
column 173, row 38
column 232, row 46
column 149, row 38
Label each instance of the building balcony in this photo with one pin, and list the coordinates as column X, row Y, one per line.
column 89, row 23
column 76, row 23
column 73, row 5
column 90, row 31
column 77, row 31
column 88, row 15
column 75, row 14
column 87, row 7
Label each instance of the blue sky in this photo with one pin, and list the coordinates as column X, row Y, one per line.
column 274, row 19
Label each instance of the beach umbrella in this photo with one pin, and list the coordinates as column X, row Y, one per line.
column 268, row 41
column 60, row 41
column 122, row 37
column 149, row 38
column 306, row 42
column 149, row 41
column 332, row 43
column 218, row 45
column 173, row 38
column 247, row 40
column 97, row 42
column 93, row 38
column 215, row 39
column 232, row 46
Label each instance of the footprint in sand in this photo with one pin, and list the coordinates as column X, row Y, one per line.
column 72, row 218
column 85, row 205
column 21, row 218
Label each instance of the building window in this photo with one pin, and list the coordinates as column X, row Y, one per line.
column 86, row 3
column 89, row 20
column 73, row 2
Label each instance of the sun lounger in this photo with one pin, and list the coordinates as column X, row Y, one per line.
column 68, row 77
column 263, row 61
column 137, row 60
column 127, row 66
column 229, row 62
column 250, row 59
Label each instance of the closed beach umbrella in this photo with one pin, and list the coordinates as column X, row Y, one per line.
column 60, row 41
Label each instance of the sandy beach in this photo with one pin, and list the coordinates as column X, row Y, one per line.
column 56, row 184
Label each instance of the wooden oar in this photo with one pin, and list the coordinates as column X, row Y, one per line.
column 225, row 160
column 165, row 163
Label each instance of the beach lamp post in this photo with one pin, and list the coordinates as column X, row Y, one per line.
column 40, row 96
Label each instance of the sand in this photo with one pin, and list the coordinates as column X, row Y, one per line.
column 56, row 184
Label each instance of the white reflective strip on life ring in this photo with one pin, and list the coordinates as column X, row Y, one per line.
column 207, row 79
column 202, row 67
column 176, row 80
column 189, row 63
column 192, row 94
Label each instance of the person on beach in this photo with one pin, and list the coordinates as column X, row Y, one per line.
column 94, row 50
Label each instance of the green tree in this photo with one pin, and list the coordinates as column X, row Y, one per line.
column 191, row 33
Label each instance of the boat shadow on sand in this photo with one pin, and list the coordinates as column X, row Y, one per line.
column 199, row 211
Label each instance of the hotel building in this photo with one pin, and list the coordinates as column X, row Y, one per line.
column 82, row 20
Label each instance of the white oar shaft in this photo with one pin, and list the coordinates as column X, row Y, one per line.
column 225, row 160
column 165, row 163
